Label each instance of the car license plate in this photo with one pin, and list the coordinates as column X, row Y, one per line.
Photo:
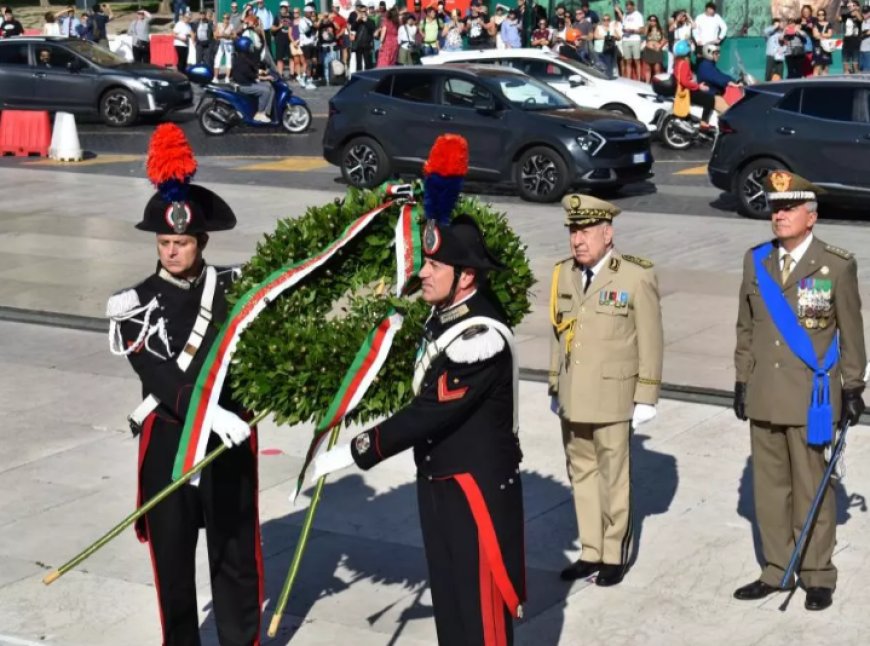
column 638, row 158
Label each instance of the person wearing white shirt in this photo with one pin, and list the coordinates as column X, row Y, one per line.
column 183, row 37
column 633, row 25
column 680, row 28
column 266, row 19
column 709, row 27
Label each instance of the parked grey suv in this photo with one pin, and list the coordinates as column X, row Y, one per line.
column 816, row 127
column 72, row 75
column 519, row 130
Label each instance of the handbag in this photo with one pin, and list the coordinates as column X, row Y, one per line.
column 682, row 102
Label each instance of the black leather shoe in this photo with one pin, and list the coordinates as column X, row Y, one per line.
column 755, row 590
column 610, row 575
column 819, row 598
column 579, row 570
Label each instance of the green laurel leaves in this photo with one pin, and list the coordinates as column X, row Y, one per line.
column 292, row 358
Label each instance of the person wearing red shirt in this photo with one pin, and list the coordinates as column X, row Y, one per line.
column 341, row 36
column 686, row 79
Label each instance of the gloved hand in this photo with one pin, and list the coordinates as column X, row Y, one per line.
column 337, row 458
column 231, row 428
column 642, row 414
column 554, row 404
column 853, row 406
column 740, row 400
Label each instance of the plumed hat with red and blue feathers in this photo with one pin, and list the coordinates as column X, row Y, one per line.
column 454, row 241
column 179, row 207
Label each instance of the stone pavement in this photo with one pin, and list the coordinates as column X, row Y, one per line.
column 66, row 242
column 67, row 474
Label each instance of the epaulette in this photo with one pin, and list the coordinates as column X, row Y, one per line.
column 559, row 262
column 642, row 262
column 837, row 251
column 122, row 302
column 477, row 343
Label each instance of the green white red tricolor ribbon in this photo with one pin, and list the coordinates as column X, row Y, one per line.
column 364, row 367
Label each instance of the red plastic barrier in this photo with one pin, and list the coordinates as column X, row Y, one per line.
column 163, row 50
column 24, row 132
column 32, row 32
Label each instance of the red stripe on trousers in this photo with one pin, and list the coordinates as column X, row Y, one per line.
column 491, row 604
column 144, row 439
column 489, row 548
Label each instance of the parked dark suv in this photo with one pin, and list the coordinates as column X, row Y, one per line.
column 817, row 127
column 519, row 130
column 72, row 75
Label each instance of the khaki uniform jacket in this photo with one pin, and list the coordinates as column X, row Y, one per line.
column 613, row 358
column 823, row 290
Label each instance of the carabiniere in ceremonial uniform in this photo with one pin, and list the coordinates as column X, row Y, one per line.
column 462, row 425
column 165, row 326
column 605, row 374
column 799, row 362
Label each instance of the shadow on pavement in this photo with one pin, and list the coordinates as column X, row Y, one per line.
column 350, row 547
column 654, row 480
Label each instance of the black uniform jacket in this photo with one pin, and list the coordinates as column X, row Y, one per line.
column 462, row 419
column 178, row 305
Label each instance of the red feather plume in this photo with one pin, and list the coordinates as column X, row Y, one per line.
column 448, row 157
column 169, row 155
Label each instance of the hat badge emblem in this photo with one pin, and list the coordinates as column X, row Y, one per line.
column 431, row 238
column 780, row 181
column 178, row 216
column 574, row 202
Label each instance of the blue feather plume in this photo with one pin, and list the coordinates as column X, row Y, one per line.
column 440, row 195
column 174, row 190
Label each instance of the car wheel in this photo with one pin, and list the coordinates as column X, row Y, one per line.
column 672, row 135
column 214, row 118
column 751, row 199
column 296, row 119
column 364, row 163
column 619, row 108
column 118, row 108
column 541, row 175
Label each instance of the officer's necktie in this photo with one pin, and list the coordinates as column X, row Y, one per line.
column 589, row 276
column 786, row 266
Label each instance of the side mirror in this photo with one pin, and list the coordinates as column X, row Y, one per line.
column 575, row 80
column 484, row 106
column 75, row 65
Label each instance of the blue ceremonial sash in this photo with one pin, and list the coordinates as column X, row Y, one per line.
column 820, row 416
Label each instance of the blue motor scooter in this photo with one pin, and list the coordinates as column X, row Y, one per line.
column 222, row 106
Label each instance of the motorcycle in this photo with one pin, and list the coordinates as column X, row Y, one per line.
column 680, row 133
column 222, row 106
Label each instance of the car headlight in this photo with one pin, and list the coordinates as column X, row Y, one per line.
column 591, row 142
column 153, row 83
column 650, row 97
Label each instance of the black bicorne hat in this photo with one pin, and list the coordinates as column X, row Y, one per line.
column 179, row 207
column 459, row 244
column 202, row 210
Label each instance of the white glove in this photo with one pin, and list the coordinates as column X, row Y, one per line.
column 554, row 404
column 642, row 414
column 231, row 428
column 337, row 458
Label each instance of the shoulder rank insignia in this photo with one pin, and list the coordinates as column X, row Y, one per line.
column 453, row 314
column 837, row 251
column 613, row 265
column 641, row 262
column 564, row 260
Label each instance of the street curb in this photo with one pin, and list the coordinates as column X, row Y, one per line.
column 676, row 392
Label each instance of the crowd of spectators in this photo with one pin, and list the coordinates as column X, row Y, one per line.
column 314, row 47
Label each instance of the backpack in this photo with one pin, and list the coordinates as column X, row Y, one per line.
column 96, row 28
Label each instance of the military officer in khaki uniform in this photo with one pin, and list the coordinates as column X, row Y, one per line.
column 605, row 374
column 816, row 287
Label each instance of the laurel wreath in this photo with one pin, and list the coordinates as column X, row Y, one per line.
column 292, row 358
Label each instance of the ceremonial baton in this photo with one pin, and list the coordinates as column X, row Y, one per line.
column 159, row 497
column 301, row 544
column 814, row 508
